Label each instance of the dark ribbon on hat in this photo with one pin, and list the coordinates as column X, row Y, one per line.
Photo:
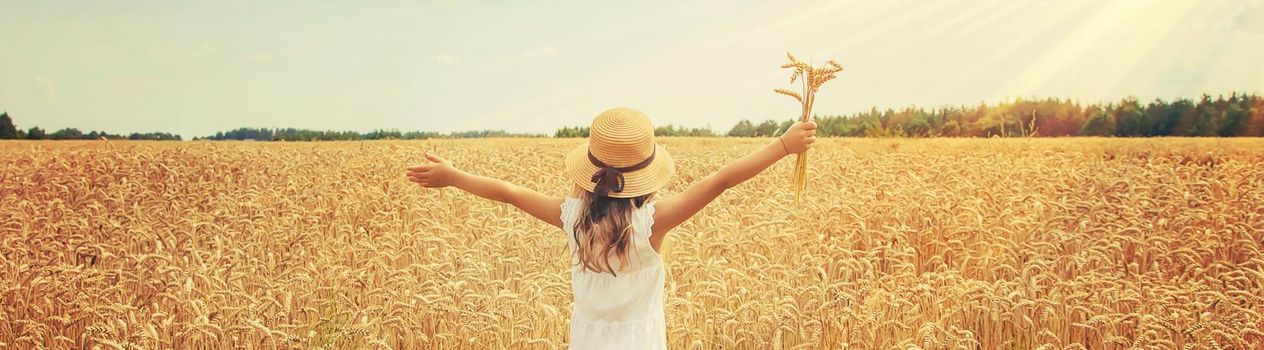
column 610, row 179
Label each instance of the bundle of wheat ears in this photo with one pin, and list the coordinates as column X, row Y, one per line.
column 810, row 80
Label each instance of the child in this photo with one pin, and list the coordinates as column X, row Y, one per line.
column 614, row 225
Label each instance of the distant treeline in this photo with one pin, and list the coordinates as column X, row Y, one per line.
column 665, row 130
column 1235, row 115
column 292, row 134
column 9, row 131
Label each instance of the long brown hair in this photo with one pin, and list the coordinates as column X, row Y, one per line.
column 604, row 230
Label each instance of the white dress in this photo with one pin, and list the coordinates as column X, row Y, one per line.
column 624, row 312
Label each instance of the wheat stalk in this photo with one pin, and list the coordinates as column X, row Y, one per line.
column 810, row 80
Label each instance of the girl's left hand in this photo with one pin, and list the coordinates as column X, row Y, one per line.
column 799, row 137
column 439, row 173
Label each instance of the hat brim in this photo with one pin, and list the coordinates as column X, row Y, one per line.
column 636, row 183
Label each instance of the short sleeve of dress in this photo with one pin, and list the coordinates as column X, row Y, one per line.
column 648, row 219
column 569, row 208
column 649, row 214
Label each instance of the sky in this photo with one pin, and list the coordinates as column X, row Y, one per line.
column 197, row 67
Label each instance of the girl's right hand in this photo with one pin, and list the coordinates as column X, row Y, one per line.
column 799, row 137
column 439, row 173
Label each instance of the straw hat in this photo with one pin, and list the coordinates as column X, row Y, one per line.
column 620, row 159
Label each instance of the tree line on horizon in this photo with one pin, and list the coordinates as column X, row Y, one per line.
column 10, row 131
column 293, row 134
column 1236, row 115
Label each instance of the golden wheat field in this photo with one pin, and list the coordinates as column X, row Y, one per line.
column 898, row 244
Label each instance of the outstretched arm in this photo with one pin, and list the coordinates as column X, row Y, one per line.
column 671, row 212
column 440, row 173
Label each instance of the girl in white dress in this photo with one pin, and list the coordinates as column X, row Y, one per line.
column 614, row 225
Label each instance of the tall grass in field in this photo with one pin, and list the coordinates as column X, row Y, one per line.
column 919, row 244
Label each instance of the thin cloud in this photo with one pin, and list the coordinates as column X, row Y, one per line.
column 1249, row 20
column 542, row 51
column 257, row 57
column 48, row 87
column 447, row 59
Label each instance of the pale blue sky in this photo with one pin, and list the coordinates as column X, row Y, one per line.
column 198, row 67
